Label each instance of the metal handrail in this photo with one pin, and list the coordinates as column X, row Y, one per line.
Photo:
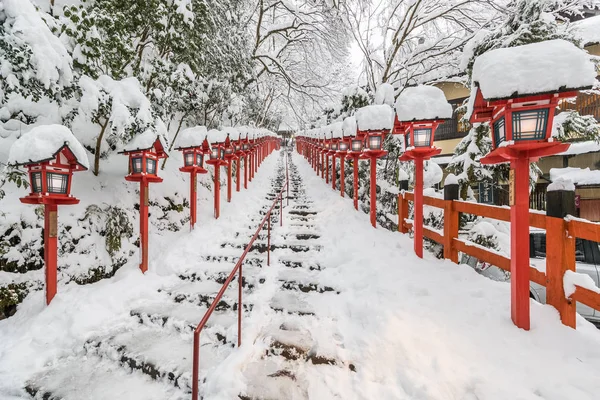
column 238, row 267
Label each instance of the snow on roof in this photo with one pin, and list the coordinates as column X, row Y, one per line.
column 43, row 142
column 349, row 126
column 337, row 129
column 532, row 69
column 217, row 136
column 576, row 175
column 145, row 141
column 375, row 117
column 234, row 133
column 451, row 179
column 191, row 137
column 422, row 103
column 587, row 30
column 561, row 184
column 589, row 146
column 385, row 94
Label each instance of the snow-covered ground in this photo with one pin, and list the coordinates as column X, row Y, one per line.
column 344, row 311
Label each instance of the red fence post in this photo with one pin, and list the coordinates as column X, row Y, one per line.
column 451, row 222
column 402, row 213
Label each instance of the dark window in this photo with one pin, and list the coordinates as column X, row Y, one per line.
column 455, row 127
column 136, row 165
column 150, row 166
column 36, row 182
column 499, row 131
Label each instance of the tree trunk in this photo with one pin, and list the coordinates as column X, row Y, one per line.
column 96, row 169
column 174, row 138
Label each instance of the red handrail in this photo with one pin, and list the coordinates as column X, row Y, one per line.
column 238, row 267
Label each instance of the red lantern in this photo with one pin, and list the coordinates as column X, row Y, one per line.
column 217, row 160
column 535, row 76
column 191, row 145
column 144, row 153
column 419, row 111
column 51, row 154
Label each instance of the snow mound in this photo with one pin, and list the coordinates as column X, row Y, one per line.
column 561, row 184
column 145, row 141
column 375, row 117
column 422, row 103
column 337, row 130
column 192, row 137
column 234, row 133
column 533, row 68
column 43, row 142
column 572, row 278
column 385, row 94
column 587, row 30
column 217, row 136
column 451, row 179
column 578, row 176
column 349, row 126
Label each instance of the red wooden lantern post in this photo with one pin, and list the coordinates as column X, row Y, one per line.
column 419, row 112
column 238, row 156
column 356, row 148
column 229, row 156
column 217, row 160
column 328, row 146
column 144, row 152
column 51, row 154
column 343, row 146
column 246, row 154
column 521, row 112
column 192, row 143
column 336, row 133
column 374, row 122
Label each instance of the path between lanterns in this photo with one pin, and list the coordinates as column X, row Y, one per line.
column 344, row 311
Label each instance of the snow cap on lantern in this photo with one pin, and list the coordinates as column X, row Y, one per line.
column 190, row 143
column 217, row 139
column 375, row 122
column 518, row 89
column 144, row 151
column 385, row 94
column 233, row 136
column 350, row 128
column 419, row 111
column 51, row 153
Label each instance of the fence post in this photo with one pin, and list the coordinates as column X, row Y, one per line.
column 402, row 207
column 451, row 218
column 560, row 251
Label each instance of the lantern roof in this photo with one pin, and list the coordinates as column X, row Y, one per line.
column 537, row 68
column 349, row 126
column 216, row 136
column 191, row 137
column 44, row 143
column 337, row 131
column 421, row 103
column 375, row 117
column 149, row 140
column 587, row 30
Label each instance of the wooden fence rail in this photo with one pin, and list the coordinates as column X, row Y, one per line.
column 560, row 247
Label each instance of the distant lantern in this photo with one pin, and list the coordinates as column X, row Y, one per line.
column 520, row 110
column 51, row 154
column 144, row 152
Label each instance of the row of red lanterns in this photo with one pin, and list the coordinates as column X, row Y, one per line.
column 51, row 154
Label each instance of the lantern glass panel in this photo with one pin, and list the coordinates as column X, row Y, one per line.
column 136, row 165
column 422, row 137
column 343, row 146
column 36, row 182
column 214, row 153
column 334, row 147
column 245, row 147
column 375, row 142
column 57, row 183
column 222, row 154
column 357, row 145
column 189, row 159
column 530, row 125
column 229, row 150
column 150, row 166
column 237, row 147
column 199, row 160
column 499, row 131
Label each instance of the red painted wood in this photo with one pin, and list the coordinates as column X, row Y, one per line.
column 342, row 175
column 327, row 168
column 143, row 226
column 50, row 253
column 355, row 181
column 519, row 232
column 418, row 209
column 217, row 190
column 229, row 188
column 333, row 172
column 193, row 199
column 237, row 174
column 373, row 190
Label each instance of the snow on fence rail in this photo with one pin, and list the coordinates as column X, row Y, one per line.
column 238, row 270
column 560, row 248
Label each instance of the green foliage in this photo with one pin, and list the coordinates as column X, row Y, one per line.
column 573, row 126
column 114, row 224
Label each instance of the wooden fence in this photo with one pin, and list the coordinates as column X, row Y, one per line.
column 560, row 247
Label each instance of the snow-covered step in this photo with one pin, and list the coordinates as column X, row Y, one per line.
column 93, row 378
column 295, row 263
column 291, row 303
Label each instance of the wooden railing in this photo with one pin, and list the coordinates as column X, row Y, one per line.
column 560, row 247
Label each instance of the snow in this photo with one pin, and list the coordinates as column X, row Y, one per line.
column 50, row 59
column 561, row 184
column 233, row 133
column 443, row 160
column 422, row 103
column 587, row 30
column 385, row 94
column 573, row 279
column 349, row 126
column 217, row 136
column 589, row 146
column 375, row 117
column 533, row 68
column 191, row 137
column 43, row 142
column 145, row 141
column 578, row 176
column 402, row 175
column 337, row 130
column 451, row 179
